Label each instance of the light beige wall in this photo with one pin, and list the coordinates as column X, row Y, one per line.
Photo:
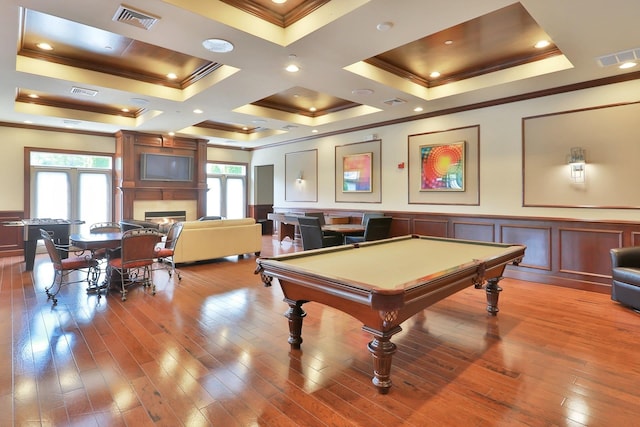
column 14, row 140
column 500, row 158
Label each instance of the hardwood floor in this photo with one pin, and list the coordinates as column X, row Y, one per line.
column 212, row 350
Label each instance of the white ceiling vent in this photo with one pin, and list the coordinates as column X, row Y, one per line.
column 395, row 101
column 134, row 17
column 82, row 91
column 619, row 57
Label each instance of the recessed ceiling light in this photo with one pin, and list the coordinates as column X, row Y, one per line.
column 626, row 65
column 417, row 109
column 541, row 44
column 28, row 122
column 44, row 46
column 33, row 95
column 314, row 131
column 198, row 111
column 312, row 109
column 217, row 45
column 172, row 133
column 434, row 74
column 384, row 26
column 124, row 110
column 278, row 1
column 172, row 76
column 448, row 42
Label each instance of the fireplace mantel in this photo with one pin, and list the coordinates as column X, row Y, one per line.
column 128, row 185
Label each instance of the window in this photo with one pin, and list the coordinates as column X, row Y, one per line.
column 71, row 186
column 227, row 195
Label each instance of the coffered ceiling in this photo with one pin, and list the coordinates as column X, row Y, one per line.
column 142, row 65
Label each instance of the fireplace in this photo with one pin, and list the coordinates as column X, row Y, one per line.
column 165, row 218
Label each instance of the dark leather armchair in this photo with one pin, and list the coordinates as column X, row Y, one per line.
column 312, row 235
column 625, row 263
column 377, row 228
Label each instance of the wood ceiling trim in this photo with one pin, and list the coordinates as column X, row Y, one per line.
column 272, row 16
column 77, row 105
column 198, row 74
column 226, row 127
column 463, row 74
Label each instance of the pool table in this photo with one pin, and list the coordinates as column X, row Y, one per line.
column 385, row 282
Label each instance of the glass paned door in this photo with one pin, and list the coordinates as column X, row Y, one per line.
column 235, row 200
column 227, row 190
column 75, row 186
column 94, row 197
column 72, row 194
column 52, row 195
column 214, row 205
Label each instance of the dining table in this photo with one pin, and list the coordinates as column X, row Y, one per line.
column 344, row 229
column 93, row 242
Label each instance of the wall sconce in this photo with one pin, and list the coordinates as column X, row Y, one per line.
column 299, row 178
column 577, row 165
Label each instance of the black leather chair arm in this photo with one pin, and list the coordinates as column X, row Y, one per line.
column 625, row 257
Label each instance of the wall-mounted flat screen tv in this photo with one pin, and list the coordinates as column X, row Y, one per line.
column 166, row 167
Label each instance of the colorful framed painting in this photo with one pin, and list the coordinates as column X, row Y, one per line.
column 356, row 173
column 442, row 167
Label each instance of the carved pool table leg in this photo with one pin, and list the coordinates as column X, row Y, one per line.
column 493, row 292
column 295, row 314
column 382, row 350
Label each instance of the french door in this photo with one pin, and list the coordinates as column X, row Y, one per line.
column 60, row 191
column 71, row 194
column 227, row 190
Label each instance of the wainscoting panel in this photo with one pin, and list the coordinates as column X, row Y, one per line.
column 536, row 239
column 400, row 226
column 592, row 258
column 474, row 231
column 429, row 227
column 11, row 237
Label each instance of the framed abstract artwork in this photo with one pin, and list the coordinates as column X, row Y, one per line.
column 356, row 172
column 442, row 167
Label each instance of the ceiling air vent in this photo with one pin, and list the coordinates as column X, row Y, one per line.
column 134, row 17
column 619, row 57
column 82, row 91
column 395, row 101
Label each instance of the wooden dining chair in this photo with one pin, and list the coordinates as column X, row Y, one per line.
column 312, row 235
column 377, row 228
column 165, row 252
column 63, row 267
column 137, row 255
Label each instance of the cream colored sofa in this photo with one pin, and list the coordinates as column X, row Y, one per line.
column 205, row 240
